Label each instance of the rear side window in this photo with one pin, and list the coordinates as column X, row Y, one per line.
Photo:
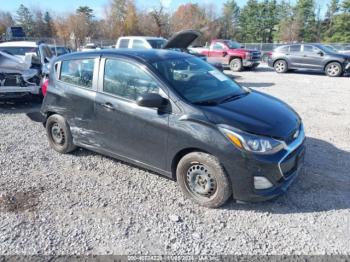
column 138, row 44
column 295, row 48
column 78, row 72
column 127, row 80
column 124, row 43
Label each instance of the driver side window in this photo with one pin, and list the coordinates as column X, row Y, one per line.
column 218, row 46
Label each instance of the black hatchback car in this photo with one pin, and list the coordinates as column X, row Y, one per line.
column 310, row 57
column 177, row 115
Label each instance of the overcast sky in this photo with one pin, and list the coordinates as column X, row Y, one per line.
column 58, row 6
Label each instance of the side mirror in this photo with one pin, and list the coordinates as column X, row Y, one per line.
column 224, row 53
column 320, row 53
column 151, row 100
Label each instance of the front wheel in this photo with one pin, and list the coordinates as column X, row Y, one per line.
column 281, row 66
column 203, row 179
column 334, row 69
column 236, row 65
column 59, row 135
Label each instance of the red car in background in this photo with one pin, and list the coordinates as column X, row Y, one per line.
column 230, row 54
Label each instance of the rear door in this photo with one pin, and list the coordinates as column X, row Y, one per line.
column 295, row 56
column 126, row 129
column 313, row 57
column 73, row 94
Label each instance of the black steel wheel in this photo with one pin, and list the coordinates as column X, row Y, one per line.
column 59, row 135
column 203, row 179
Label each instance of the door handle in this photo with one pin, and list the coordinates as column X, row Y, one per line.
column 108, row 106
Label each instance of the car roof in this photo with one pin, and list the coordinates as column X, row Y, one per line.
column 19, row 44
column 142, row 55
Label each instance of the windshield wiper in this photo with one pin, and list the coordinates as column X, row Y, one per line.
column 233, row 97
column 206, row 103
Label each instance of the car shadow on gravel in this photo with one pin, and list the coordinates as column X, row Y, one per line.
column 20, row 105
column 323, row 184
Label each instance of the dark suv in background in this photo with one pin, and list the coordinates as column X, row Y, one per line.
column 311, row 57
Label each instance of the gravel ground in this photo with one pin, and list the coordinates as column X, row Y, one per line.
column 85, row 203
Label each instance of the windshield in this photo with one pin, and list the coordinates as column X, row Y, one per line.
column 156, row 43
column 197, row 81
column 19, row 50
column 233, row 44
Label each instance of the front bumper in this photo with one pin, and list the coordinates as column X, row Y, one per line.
column 251, row 62
column 281, row 169
column 347, row 67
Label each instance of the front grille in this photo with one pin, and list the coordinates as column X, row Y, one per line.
column 10, row 80
column 256, row 55
column 295, row 152
column 292, row 162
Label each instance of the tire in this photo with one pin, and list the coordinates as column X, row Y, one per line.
column 203, row 179
column 59, row 135
column 334, row 69
column 281, row 66
column 236, row 65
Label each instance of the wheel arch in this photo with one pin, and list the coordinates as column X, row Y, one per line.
column 279, row 59
column 234, row 57
column 179, row 155
column 333, row 61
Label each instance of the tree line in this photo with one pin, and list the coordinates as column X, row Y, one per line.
column 258, row 21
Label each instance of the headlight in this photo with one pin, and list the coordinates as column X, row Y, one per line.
column 248, row 56
column 253, row 143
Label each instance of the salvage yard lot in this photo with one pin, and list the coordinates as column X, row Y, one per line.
column 85, row 203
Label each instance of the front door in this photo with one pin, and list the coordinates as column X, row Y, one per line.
column 217, row 54
column 312, row 57
column 126, row 129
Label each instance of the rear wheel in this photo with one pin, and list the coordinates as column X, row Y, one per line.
column 203, row 179
column 59, row 135
column 334, row 69
column 281, row 66
column 236, row 65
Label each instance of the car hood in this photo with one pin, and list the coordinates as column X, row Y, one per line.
column 256, row 113
column 182, row 39
column 340, row 55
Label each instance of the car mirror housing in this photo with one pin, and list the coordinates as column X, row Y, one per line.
column 152, row 100
column 320, row 53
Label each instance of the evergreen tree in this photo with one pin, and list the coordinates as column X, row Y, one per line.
column 305, row 11
column 229, row 19
column 249, row 21
column 49, row 28
column 25, row 19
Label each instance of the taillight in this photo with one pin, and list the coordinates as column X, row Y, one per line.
column 44, row 86
column 269, row 54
